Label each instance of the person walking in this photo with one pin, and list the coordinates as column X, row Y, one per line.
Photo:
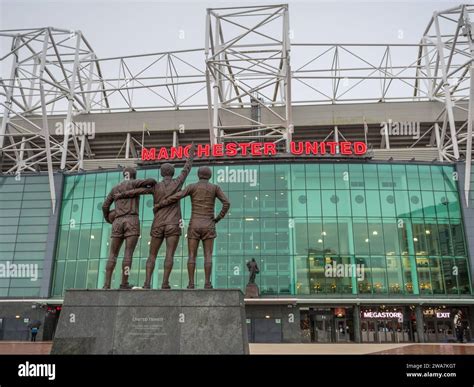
column 34, row 333
column 459, row 327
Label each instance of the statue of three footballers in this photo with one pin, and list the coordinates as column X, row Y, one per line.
column 167, row 220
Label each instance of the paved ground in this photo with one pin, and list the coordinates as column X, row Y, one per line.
column 25, row 348
column 431, row 349
column 43, row 348
column 362, row 349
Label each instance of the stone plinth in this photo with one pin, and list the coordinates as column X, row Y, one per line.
column 152, row 322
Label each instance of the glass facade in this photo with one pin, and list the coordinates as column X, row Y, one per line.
column 400, row 224
column 25, row 210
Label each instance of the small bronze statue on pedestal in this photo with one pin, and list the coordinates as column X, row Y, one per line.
column 251, row 291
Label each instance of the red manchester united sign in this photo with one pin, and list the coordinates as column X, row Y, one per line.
column 232, row 149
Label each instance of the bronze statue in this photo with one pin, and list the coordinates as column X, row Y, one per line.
column 166, row 222
column 253, row 269
column 203, row 221
column 125, row 225
column 251, row 290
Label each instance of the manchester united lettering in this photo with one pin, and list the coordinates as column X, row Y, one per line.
column 297, row 148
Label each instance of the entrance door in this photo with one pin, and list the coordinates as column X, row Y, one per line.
column 266, row 330
column 382, row 331
column 322, row 328
column 15, row 330
column 50, row 324
column 368, row 328
column 386, row 331
column 341, row 330
column 444, row 330
column 430, row 333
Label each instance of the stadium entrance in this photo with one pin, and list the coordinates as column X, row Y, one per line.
column 327, row 325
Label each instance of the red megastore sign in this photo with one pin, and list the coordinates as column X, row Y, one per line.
column 232, row 149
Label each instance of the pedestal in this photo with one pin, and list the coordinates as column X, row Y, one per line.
column 251, row 291
column 152, row 322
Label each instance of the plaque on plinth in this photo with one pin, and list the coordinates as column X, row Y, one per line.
column 152, row 322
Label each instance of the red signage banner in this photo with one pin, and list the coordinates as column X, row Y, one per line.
column 232, row 149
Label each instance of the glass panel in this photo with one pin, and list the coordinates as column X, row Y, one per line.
column 329, row 199
column 81, row 275
column 92, row 274
column 327, row 176
column 358, row 203
column 330, row 237
column 87, row 210
column 463, row 276
column 437, row 177
column 373, row 203
column 379, row 275
column 437, row 280
column 346, row 245
column 314, row 203
column 78, row 189
column 365, row 285
column 282, row 176
column 299, row 202
column 390, row 232
column 301, row 237
column 313, row 177
column 445, row 240
column 458, row 239
column 450, row 179
column 399, row 177
column 424, row 171
column 387, row 202
column 361, row 237
column 70, row 275
column 343, row 203
column 454, row 206
column 408, row 273
column 429, row 207
column 402, row 200
column 341, row 176
column 441, row 202
column 371, row 177
column 424, row 275
column 416, row 204
column 412, row 177
column 450, row 272
column 395, row 275
column 385, row 177
column 89, row 185
column 375, row 236
column 298, row 177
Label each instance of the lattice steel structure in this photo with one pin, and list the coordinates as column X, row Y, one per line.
column 445, row 63
column 47, row 69
column 248, row 65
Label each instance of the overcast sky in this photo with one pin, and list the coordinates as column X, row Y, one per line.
column 124, row 27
